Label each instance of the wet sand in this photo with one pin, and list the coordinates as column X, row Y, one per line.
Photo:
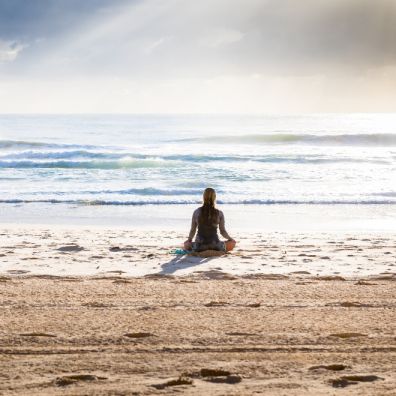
column 202, row 328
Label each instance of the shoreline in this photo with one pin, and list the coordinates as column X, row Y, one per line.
column 241, row 218
column 98, row 251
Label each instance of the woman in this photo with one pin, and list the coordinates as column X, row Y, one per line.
column 207, row 218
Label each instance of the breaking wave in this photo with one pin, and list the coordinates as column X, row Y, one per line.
column 364, row 139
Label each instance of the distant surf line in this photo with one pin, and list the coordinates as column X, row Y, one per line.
column 191, row 202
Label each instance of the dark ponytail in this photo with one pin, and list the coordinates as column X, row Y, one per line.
column 209, row 214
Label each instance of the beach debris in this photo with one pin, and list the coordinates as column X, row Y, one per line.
column 72, row 379
column 138, row 335
column 182, row 380
column 70, row 248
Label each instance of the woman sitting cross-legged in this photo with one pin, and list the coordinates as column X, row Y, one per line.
column 207, row 218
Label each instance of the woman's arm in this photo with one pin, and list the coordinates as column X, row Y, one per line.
column 194, row 224
column 222, row 229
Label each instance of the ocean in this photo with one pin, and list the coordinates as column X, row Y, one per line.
column 88, row 166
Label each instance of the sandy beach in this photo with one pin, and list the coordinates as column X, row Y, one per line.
column 113, row 311
column 128, row 128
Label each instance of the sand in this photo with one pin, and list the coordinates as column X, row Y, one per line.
column 100, row 311
column 100, row 251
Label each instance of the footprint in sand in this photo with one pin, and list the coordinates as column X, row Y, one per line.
column 220, row 376
column 347, row 380
column 361, row 378
column 182, row 380
column 217, row 304
column 241, row 334
column 254, row 305
column 37, row 335
column 347, row 335
column 139, row 335
column 364, row 283
column 116, row 272
column 70, row 248
column 72, row 379
column 330, row 278
column 18, row 272
column 331, row 367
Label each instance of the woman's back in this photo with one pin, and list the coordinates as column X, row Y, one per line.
column 207, row 219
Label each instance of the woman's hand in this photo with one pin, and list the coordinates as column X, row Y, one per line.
column 187, row 245
column 230, row 244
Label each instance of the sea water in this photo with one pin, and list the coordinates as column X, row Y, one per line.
column 106, row 167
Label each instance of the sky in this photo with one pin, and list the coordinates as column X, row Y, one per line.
column 189, row 56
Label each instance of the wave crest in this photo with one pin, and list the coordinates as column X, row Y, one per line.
column 364, row 139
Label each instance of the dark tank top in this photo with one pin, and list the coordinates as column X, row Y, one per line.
column 207, row 233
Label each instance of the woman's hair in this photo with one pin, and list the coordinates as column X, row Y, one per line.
column 208, row 213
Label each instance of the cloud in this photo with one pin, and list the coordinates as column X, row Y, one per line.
column 187, row 38
column 152, row 46
column 10, row 50
column 220, row 36
column 236, row 52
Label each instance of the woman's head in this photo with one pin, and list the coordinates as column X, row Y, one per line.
column 209, row 212
column 209, row 197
